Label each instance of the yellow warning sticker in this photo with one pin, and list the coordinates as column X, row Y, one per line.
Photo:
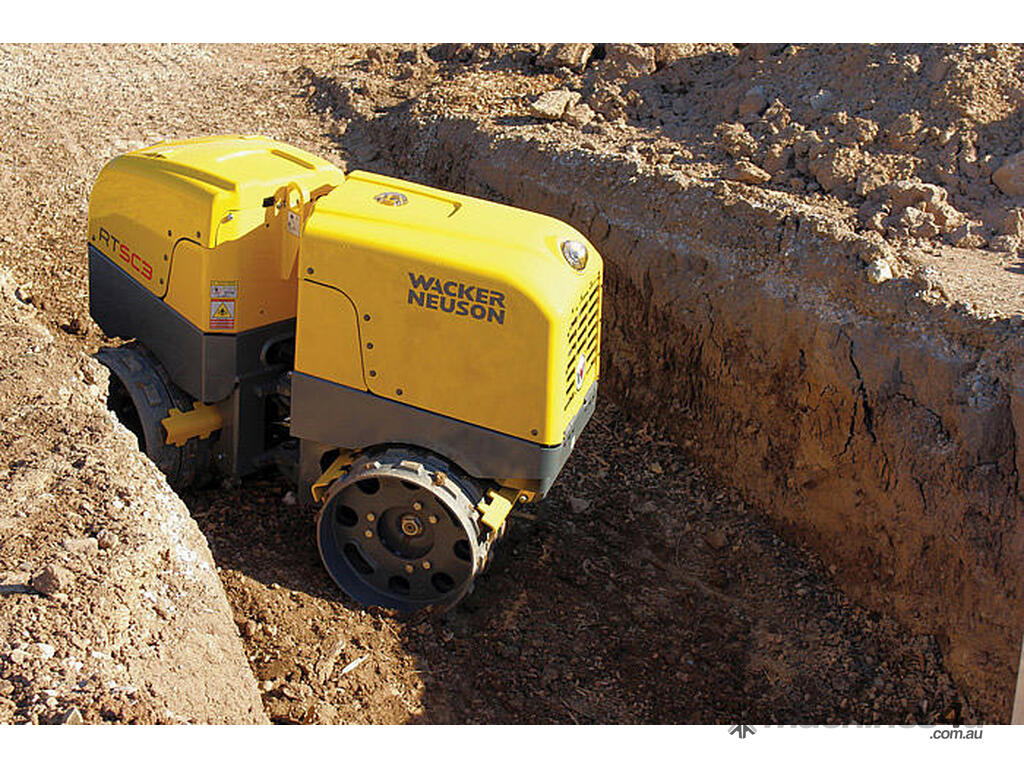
column 223, row 295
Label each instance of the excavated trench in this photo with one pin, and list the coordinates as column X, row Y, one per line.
column 776, row 436
column 644, row 589
column 872, row 424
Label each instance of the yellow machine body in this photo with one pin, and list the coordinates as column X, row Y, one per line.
column 451, row 304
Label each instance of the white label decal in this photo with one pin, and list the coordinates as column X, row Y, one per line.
column 581, row 370
column 224, row 290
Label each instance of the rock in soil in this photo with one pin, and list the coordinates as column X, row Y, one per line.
column 553, row 104
column 51, row 580
column 1009, row 177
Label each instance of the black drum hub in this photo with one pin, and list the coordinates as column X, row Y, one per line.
column 397, row 530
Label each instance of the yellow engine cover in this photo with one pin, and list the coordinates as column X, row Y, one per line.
column 462, row 307
column 189, row 221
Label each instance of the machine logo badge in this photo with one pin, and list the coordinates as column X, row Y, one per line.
column 393, row 199
column 581, row 370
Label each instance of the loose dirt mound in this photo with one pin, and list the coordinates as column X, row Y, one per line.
column 920, row 144
column 110, row 607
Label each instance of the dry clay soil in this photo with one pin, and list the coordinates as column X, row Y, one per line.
column 640, row 591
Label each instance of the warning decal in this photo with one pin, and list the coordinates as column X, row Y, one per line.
column 223, row 295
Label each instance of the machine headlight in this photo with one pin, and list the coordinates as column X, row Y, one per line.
column 575, row 254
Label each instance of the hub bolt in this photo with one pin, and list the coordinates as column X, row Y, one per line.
column 409, row 568
column 370, row 516
column 411, row 525
column 426, row 565
column 432, row 519
column 417, row 506
column 368, row 534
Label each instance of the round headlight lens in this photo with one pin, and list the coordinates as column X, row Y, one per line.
column 575, row 254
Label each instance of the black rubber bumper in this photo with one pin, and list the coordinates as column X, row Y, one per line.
column 333, row 414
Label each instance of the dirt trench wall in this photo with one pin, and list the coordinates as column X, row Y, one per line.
column 877, row 427
column 111, row 609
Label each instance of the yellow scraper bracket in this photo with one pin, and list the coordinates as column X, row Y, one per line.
column 496, row 505
column 202, row 421
column 332, row 473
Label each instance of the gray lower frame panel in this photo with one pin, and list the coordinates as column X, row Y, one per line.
column 333, row 414
column 206, row 365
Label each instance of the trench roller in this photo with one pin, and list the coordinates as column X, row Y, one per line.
column 416, row 361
